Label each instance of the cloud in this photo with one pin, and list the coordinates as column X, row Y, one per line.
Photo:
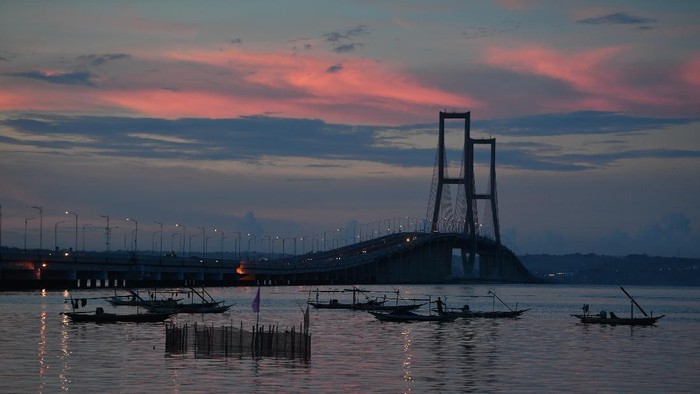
column 339, row 39
column 68, row 78
column 235, row 41
column 347, row 47
column 335, row 68
column 618, row 18
column 476, row 32
column 97, row 60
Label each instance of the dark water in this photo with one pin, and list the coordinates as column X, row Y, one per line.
column 544, row 351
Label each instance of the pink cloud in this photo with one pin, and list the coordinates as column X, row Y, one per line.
column 690, row 72
column 307, row 83
column 604, row 83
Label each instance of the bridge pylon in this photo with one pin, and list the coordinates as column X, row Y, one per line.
column 464, row 210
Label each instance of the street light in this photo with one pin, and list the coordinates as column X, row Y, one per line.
column 190, row 243
column 84, row 227
column 25, row 232
column 184, row 234
column 107, row 230
column 161, row 238
column 55, row 234
column 204, row 243
column 41, row 225
column 250, row 236
column 136, row 234
column 76, row 228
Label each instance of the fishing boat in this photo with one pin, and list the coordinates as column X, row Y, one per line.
column 611, row 318
column 408, row 316
column 134, row 299
column 371, row 303
column 206, row 304
column 466, row 312
column 100, row 316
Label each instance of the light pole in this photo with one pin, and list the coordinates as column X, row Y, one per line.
column 269, row 245
column 161, row 238
column 206, row 245
column 250, row 236
column 190, row 243
column 41, row 225
column 184, row 234
column 76, row 228
column 238, row 245
column 172, row 241
column 136, row 234
column 204, row 241
column 25, row 232
column 84, row 227
column 107, row 231
column 55, row 234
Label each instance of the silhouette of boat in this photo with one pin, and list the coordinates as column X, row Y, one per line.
column 408, row 316
column 100, row 316
column 612, row 319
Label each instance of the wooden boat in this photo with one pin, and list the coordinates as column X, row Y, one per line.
column 619, row 321
column 494, row 314
column 100, row 316
column 465, row 312
column 134, row 299
column 610, row 318
column 408, row 316
column 207, row 304
column 372, row 303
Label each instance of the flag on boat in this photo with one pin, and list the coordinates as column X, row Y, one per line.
column 256, row 302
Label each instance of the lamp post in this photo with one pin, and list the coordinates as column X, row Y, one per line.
column 250, row 236
column 84, row 227
column 136, row 234
column 25, row 232
column 161, row 239
column 172, row 241
column 76, row 228
column 269, row 246
column 204, row 241
column 184, row 234
column 238, row 245
column 106, row 231
column 41, row 225
column 55, row 234
column 190, row 243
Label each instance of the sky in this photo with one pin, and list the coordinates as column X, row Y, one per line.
column 298, row 118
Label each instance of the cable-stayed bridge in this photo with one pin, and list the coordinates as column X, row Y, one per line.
column 419, row 256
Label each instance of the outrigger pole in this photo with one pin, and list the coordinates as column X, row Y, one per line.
column 634, row 302
column 494, row 294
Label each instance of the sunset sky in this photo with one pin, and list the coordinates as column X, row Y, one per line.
column 292, row 118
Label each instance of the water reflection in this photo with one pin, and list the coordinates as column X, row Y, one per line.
column 407, row 356
column 42, row 342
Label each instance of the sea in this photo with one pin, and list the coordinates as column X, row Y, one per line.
column 545, row 350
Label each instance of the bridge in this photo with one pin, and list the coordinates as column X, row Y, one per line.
column 453, row 227
column 418, row 257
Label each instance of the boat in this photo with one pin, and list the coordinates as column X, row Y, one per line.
column 100, row 316
column 207, row 304
column 466, row 312
column 408, row 316
column 611, row 318
column 134, row 299
column 371, row 304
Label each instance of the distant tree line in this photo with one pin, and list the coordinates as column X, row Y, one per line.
column 637, row 269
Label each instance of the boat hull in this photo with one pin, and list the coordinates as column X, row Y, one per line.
column 117, row 318
column 618, row 321
column 406, row 317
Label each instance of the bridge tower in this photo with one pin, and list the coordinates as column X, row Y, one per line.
column 463, row 212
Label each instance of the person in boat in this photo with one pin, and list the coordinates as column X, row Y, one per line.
column 439, row 305
column 465, row 308
column 613, row 315
column 585, row 309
